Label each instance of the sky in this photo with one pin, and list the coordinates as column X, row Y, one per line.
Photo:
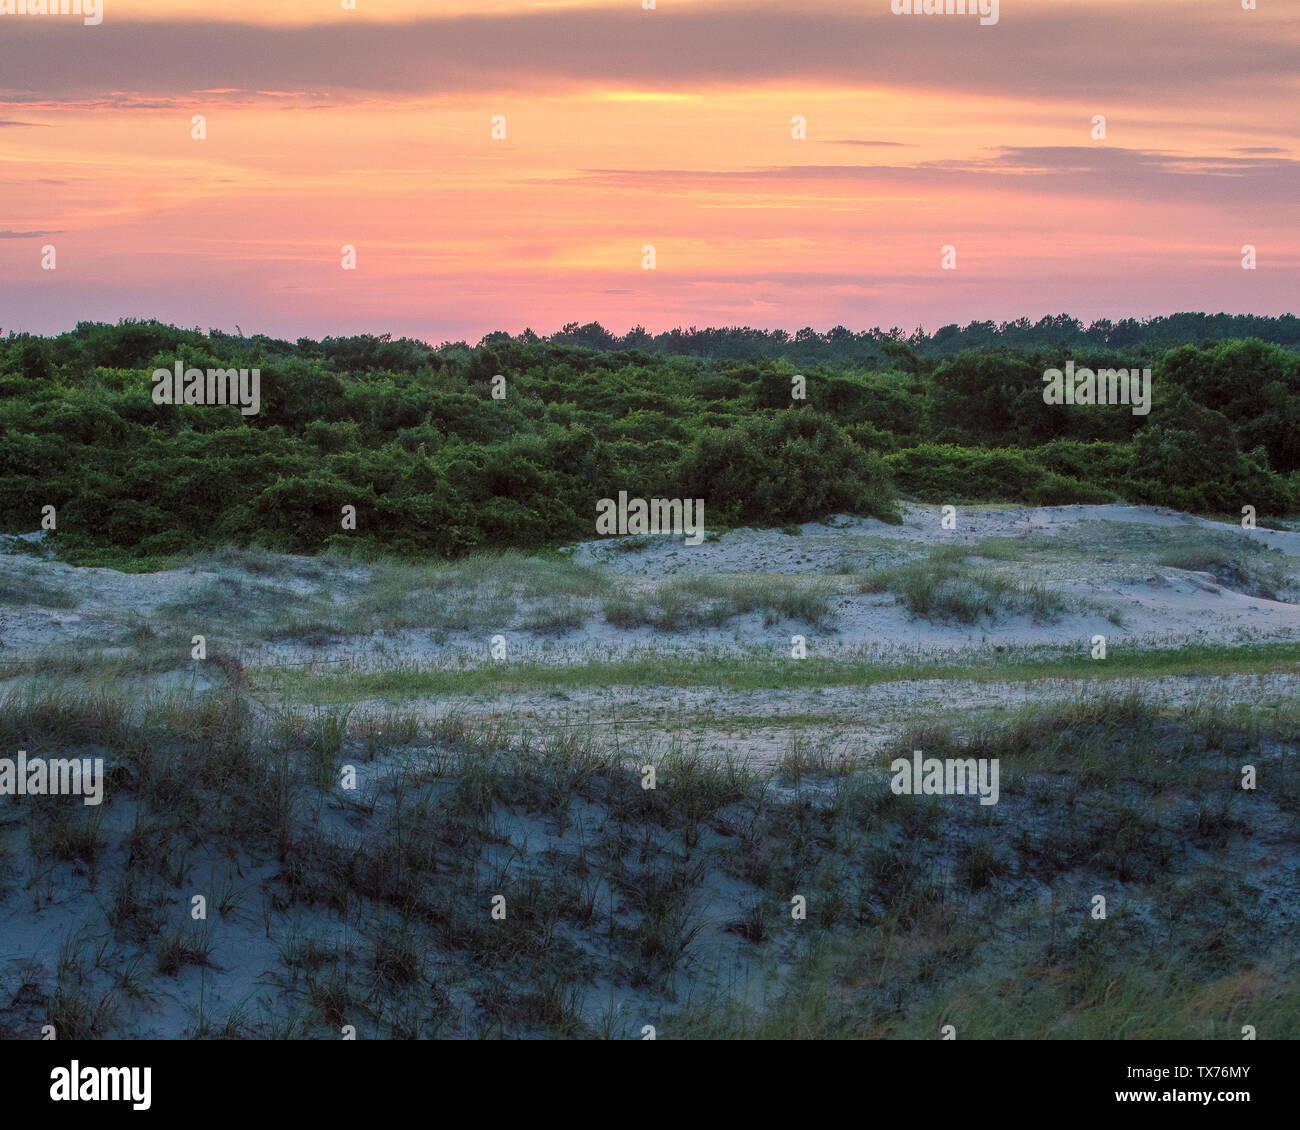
column 626, row 128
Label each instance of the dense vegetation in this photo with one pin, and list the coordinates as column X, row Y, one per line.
column 411, row 435
column 669, row 906
column 1145, row 339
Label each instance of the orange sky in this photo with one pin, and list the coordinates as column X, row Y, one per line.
column 627, row 127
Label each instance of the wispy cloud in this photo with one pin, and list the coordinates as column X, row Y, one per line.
column 1123, row 174
column 629, row 127
column 868, row 144
column 1057, row 52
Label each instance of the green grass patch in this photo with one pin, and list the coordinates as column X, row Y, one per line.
column 752, row 672
column 710, row 601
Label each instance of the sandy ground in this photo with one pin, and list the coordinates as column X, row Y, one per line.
column 1159, row 604
column 1091, row 555
column 1100, row 562
column 770, row 551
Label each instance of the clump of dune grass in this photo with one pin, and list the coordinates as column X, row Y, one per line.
column 464, row 595
column 79, row 1013
column 1233, row 561
column 664, row 880
column 140, row 656
column 945, row 586
column 710, row 601
column 25, row 586
column 266, row 563
column 318, row 601
column 63, row 829
column 233, row 602
column 556, row 614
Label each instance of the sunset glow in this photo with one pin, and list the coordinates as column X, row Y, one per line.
column 625, row 128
